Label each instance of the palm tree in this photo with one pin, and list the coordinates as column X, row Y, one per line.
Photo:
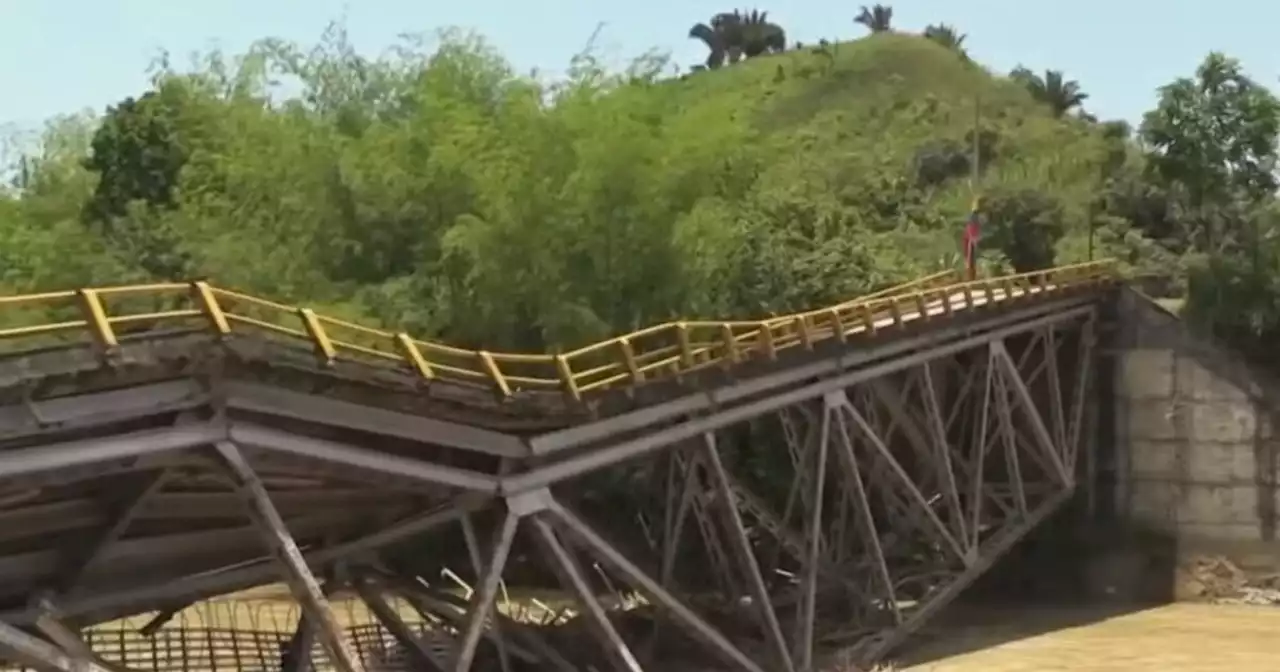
column 713, row 40
column 1060, row 94
column 877, row 19
column 723, row 37
column 946, row 36
column 732, row 35
column 759, row 36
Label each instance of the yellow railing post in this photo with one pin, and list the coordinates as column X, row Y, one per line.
column 219, row 310
column 731, row 354
column 95, row 316
column 802, row 326
column 203, row 296
column 323, row 346
column 837, row 326
column 490, row 367
column 629, row 360
column 414, row 356
column 766, row 341
column 686, row 349
column 566, row 378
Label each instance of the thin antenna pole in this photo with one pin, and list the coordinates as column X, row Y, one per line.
column 972, row 233
column 977, row 157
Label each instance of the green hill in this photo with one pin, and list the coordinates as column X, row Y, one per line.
column 443, row 192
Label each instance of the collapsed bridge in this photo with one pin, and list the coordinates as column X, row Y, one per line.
column 163, row 444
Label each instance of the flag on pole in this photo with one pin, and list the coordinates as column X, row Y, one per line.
column 972, row 233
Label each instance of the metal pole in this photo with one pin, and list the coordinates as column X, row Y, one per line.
column 971, row 245
column 1092, row 225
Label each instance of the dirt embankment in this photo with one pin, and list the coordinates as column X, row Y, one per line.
column 1218, row 580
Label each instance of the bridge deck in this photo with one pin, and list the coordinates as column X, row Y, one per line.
column 72, row 342
column 110, row 499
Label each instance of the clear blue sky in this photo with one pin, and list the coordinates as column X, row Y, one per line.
column 60, row 56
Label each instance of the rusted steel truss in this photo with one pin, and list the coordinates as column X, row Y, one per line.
column 778, row 526
column 836, row 526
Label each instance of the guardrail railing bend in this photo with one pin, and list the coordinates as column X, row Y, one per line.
column 671, row 349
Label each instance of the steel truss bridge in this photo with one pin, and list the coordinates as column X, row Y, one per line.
column 802, row 490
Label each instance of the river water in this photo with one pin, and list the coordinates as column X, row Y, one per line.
column 1172, row 638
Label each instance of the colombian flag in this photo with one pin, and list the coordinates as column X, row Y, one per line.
column 972, row 232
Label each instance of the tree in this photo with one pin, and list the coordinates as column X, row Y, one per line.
column 732, row 35
column 760, row 36
column 946, row 36
column 1061, row 95
column 138, row 155
column 877, row 19
column 718, row 50
column 1025, row 225
column 1214, row 135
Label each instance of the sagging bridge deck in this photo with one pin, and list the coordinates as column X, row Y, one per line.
column 202, row 441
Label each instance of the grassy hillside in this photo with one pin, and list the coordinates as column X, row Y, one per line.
column 443, row 192
column 868, row 147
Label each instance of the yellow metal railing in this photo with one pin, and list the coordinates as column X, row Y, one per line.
column 667, row 350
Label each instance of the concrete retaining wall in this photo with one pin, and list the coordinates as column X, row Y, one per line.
column 1194, row 446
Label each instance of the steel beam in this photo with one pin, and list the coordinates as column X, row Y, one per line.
column 836, row 403
column 46, row 518
column 332, row 452
column 746, row 555
column 22, row 648
column 151, row 553
column 887, row 458
column 991, row 552
column 1044, row 441
column 452, row 610
column 76, row 567
column 813, row 531
column 284, row 550
column 472, row 541
column 576, row 466
column 296, row 656
column 996, row 327
column 107, row 604
column 485, row 593
column 96, row 409
column 16, row 465
column 372, row 596
column 359, row 417
column 69, row 640
column 697, row 627
column 573, row 578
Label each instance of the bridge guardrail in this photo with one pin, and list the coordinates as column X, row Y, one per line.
column 671, row 349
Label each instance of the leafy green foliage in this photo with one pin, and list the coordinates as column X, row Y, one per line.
column 877, row 18
column 438, row 190
column 1210, row 195
column 1025, row 225
column 1214, row 136
column 1060, row 94
column 730, row 36
column 946, row 36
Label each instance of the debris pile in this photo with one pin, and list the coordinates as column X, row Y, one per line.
column 1218, row 580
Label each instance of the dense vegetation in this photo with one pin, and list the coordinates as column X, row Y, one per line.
column 441, row 190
